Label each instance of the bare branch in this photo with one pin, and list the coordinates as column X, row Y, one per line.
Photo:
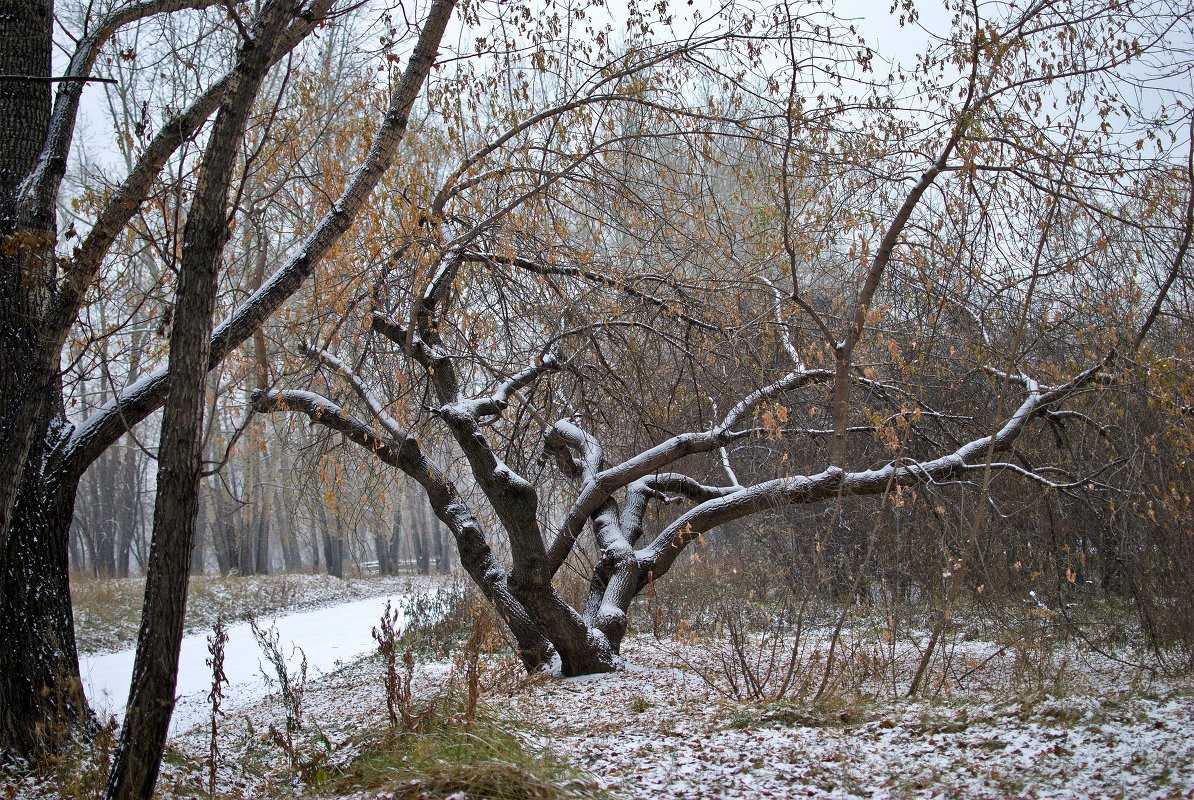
column 622, row 285
column 653, row 487
column 53, row 79
column 40, row 191
column 1183, row 247
column 475, row 554
column 603, row 484
column 139, row 400
column 833, row 481
column 370, row 399
column 725, row 454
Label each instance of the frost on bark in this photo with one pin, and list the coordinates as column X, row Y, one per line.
column 29, row 415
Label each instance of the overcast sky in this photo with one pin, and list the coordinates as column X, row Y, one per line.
column 94, row 136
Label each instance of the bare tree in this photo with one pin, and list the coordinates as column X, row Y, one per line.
column 595, row 325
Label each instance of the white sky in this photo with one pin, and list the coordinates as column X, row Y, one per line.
column 94, row 135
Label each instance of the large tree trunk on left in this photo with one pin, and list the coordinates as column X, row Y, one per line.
column 41, row 697
column 39, row 647
column 26, row 246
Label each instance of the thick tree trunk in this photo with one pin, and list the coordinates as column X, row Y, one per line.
column 155, row 669
column 27, row 256
column 40, row 693
column 387, row 546
column 261, row 541
column 443, row 552
column 41, row 697
column 202, row 529
column 39, row 647
column 291, row 555
column 418, row 533
column 333, row 554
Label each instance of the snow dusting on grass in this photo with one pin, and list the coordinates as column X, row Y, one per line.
column 657, row 731
column 995, row 720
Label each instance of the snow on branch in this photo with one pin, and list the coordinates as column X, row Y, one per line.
column 492, row 405
column 330, row 414
column 833, row 481
column 368, row 397
column 549, row 362
column 655, row 487
column 405, row 338
column 435, row 292
column 603, row 484
column 791, row 381
column 784, row 329
column 566, row 436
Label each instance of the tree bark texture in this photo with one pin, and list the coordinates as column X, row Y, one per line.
column 26, row 243
column 41, row 697
column 155, row 669
column 37, row 678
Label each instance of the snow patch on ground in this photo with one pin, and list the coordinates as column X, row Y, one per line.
column 326, row 637
column 108, row 612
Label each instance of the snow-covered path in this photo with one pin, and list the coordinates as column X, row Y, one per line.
column 327, row 636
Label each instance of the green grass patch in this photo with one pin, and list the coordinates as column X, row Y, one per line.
column 486, row 759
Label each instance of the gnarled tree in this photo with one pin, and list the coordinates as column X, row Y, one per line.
column 576, row 305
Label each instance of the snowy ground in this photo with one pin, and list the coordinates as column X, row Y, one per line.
column 659, row 730
column 327, row 638
column 662, row 728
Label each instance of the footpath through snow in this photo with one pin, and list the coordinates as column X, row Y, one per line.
column 328, row 637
